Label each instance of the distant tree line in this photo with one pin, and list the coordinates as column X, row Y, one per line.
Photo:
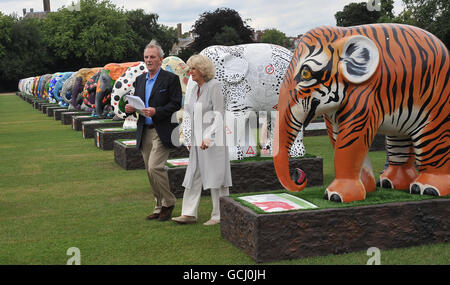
column 67, row 40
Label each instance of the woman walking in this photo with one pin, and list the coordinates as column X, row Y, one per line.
column 209, row 164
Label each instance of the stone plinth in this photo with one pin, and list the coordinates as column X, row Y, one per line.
column 43, row 107
column 78, row 120
column 66, row 117
column 129, row 157
column 255, row 176
column 88, row 127
column 315, row 129
column 38, row 102
column 57, row 113
column 51, row 110
column 307, row 233
column 379, row 143
column 105, row 137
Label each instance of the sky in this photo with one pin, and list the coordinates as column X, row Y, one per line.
column 292, row 17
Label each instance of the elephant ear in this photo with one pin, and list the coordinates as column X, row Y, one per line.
column 360, row 58
column 235, row 68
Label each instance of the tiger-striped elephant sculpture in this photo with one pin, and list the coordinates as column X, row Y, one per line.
column 386, row 78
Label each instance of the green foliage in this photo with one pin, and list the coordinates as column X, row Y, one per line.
column 430, row 15
column 227, row 37
column 6, row 23
column 146, row 28
column 274, row 36
column 355, row 14
column 94, row 36
column 216, row 26
column 25, row 55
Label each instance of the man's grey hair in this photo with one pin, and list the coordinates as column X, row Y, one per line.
column 155, row 44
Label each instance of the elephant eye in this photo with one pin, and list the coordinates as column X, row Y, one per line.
column 306, row 73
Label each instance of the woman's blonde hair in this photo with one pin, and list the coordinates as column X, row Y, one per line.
column 203, row 64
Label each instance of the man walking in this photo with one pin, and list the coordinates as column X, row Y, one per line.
column 160, row 90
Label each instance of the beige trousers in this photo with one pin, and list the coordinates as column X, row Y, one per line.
column 155, row 155
column 191, row 198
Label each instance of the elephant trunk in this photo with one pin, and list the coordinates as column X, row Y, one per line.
column 76, row 89
column 102, row 99
column 285, row 133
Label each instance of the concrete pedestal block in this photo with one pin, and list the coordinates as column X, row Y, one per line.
column 88, row 127
column 66, row 117
column 58, row 112
column 78, row 120
column 51, row 110
column 307, row 233
column 105, row 137
column 129, row 157
column 43, row 107
column 37, row 102
column 379, row 143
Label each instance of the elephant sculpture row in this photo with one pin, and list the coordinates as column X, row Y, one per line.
column 251, row 77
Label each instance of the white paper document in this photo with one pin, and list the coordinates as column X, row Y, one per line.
column 278, row 202
column 137, row 103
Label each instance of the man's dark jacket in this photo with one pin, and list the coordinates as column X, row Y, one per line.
column 166, row 99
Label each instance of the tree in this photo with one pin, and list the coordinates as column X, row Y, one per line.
column 362, row 13
column 355, row 14
column 228, row 36
column 210, row 24
column 25, row 55
column 430, row 15
column 95, row 35
column 6, row 23
column 274, row 36
column 146, row 28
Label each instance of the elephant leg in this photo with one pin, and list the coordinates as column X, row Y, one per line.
column 432, row 152
column 401, row 171
column 349, row 159
column 297, row 148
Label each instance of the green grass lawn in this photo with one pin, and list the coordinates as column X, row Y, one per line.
column 57, row 190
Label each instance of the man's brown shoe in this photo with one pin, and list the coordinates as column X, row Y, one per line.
column 166, row 213
column 153, row 216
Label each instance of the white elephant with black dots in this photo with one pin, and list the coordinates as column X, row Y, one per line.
column 124, row 85
column 251, row 77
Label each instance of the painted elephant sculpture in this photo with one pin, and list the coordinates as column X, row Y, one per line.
column 57, row 90
column 386, row 78
column 125, row 85
column 25, row 85
column 43, row 86
column 251, row 77
column 66, row 90
column 35, row 85
column 82, row 76
column 108, row 76
column 51, row 87
column 89, row 90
